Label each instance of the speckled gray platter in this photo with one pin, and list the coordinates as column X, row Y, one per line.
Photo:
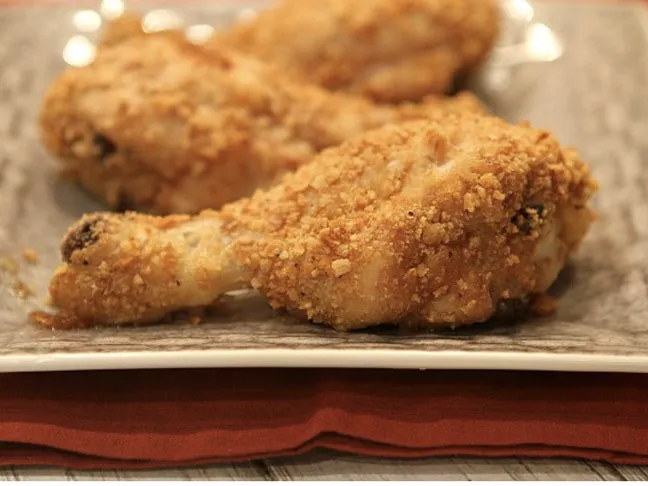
column 595, row 97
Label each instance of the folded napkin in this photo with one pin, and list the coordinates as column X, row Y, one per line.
column 158, row 418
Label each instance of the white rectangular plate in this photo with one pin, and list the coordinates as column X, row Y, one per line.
column 595, row 97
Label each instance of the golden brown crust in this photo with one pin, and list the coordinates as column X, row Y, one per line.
column 420, row 224
column 384, row 49
column 129, row 24
column 425, row 223
column 156, row 124
column 134, row 267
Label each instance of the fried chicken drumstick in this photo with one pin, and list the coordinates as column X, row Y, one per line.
column 156, row 124
column 389, row 50
column 425, row 223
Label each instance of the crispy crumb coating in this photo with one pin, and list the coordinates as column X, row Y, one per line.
column 156, row 124
column 424, row 223
column 128, row 24
column 389, row 50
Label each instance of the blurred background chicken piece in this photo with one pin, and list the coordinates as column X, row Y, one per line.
column 388, row 50
column 157, row 124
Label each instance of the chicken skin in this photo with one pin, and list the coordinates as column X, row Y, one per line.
column 422, row 224
column 156, row 124
column 388, row 50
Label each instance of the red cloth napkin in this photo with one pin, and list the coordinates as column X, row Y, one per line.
column 158, row 418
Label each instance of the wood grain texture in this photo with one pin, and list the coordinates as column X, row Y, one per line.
column 595, row 98
column 243, row 472
column 323, row 466
column 326, row 466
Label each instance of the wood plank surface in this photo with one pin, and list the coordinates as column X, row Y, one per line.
column 241, row 472
column 324, row 465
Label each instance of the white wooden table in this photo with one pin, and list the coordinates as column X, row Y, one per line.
column 333, row 466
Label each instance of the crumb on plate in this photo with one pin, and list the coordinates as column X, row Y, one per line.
column 62, row 320
column 544, row 305
column 22, row 290
column 30, row 255
column 9, row 264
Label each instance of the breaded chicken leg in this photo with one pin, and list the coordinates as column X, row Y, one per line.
column 425, row 223
column 389, row 50
column 158, row 125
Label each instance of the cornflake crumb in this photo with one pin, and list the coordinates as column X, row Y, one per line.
column 544, row 305
column 9, row 264
column 22, row 290
column 62, row 320
column 341, row 266
column 30, row 255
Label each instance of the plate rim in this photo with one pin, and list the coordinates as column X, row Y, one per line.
column 323, row 358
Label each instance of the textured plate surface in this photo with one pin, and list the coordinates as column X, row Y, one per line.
column 595, row 97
